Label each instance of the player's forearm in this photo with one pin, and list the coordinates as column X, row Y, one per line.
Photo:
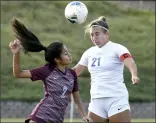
column 130, row 64
column 132, row 68
column 81, row 108
column 16, row 65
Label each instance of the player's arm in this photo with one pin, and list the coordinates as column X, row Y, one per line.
column 15, row 48
column 82, row 64
column 131, row 65
column 79, row 69
column 17, row 72
column 78, row 102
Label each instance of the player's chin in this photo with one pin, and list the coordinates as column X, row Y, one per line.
column 69, row 61
column 99, row 45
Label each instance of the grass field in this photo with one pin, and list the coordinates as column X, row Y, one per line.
column 132, row 28
column 75, row 120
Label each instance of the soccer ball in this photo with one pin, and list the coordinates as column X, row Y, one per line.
column 76, row 12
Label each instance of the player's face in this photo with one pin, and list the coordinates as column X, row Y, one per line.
column 98, row 37
column 65, row 56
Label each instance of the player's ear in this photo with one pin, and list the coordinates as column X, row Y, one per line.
column 57, row 60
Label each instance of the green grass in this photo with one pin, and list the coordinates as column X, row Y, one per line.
column 132, row 28
column 74, row 120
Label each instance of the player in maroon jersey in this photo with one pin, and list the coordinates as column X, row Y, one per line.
column 58, row 80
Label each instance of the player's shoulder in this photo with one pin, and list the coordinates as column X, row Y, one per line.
column 116, row 45
column 72, row 72
column 91, row 49
column 48, row 67
column 70, row 69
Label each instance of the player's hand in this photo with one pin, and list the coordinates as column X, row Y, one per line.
column 15, row 46
column 87, row 119
column 135, row 80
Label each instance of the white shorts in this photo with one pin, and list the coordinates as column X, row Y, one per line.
column 108, row 106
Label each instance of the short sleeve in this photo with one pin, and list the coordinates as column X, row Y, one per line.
column 40, row 73
column 123, row 52
column 84, row 59
column 75, row 87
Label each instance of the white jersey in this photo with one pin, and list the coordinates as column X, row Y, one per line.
column 106, row 70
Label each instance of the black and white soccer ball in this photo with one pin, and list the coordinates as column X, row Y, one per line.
column 76, row 12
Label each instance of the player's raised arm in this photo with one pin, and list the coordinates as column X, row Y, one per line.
column 29, row 43
column 17, row 72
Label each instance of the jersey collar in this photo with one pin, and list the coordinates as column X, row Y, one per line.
column 105, row 45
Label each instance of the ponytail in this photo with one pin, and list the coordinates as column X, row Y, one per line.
column 28, row 40
column 102, row 18
column 31, row 43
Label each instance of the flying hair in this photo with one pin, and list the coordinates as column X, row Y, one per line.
column 28, row 40
column 30, row 43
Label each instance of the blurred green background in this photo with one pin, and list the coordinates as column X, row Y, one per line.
column 134, row 29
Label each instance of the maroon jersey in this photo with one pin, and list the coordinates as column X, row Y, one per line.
column 58, row 87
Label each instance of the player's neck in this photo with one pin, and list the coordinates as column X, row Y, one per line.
column 62, row 68
column 104, row 44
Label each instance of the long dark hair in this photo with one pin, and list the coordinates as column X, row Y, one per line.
column 31, row 43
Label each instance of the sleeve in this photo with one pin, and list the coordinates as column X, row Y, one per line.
column 39, row 73
column 123, row 53
column 84, row 59
column 76, row 87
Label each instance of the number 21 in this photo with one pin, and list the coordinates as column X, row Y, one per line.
column 96, row 60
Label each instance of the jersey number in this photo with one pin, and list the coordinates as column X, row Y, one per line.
column 96, row 62
column 64, row 91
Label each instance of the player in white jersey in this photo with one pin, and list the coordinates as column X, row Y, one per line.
column 105, row 62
